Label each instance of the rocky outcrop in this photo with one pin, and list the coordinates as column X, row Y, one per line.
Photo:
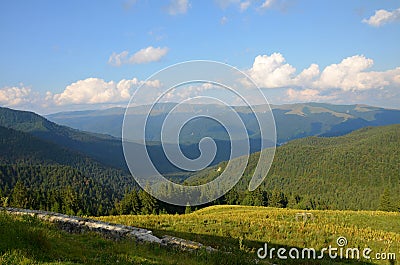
column 75, row 224
column 182, row 243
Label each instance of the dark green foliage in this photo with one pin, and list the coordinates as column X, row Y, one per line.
column 277, row 199
column 20, row 195
column 54, row 178
column 148, row 202
column 130, row 204
column 257, row 197
column 104, row 148
column 347, row 172
column 386, row 203
column 55, row 188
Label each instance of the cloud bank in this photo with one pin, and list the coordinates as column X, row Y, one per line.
column 272, row 71
column 346, row 80
column 351, row 80
column 15, row 96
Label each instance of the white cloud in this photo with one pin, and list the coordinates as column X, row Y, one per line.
column 145, row 55
column 306, row 95
column 344, row 80
column 308, row 75
column 244, row 5
column 180, row 93
column 349, row 75
column 15, row 96
column 382, row 17
column 267, row 4
column 96, row 90
column 271, row 71
column 178, row 7
column 117, row 59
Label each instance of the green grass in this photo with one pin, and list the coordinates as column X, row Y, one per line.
column 244, row 228
column 27, row 240
column 237, row 231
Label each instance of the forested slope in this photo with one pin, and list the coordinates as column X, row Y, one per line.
column 348, row 172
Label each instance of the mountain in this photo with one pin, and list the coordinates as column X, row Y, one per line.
column 292, row 120
column 104, row 148
column 49, row 170
column 346, row 172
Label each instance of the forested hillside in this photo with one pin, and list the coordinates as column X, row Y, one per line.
column 356, row 171
column 38, row 174
column 106, row 149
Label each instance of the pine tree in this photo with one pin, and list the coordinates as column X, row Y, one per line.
column 386, row 202
column 277, row 199
column 149, row 203
column 20, row 195
column 134, row 202
column 70, row 201
column 232, row 197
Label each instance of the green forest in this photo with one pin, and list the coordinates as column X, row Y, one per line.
column 357, row 171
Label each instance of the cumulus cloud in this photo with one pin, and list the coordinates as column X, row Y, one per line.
column 308, row 75
column 271, row 71
column 15, row 96
column 349, row 75
column 382, row 17
column 96, row 90
column 178, row 7
column 146, row 55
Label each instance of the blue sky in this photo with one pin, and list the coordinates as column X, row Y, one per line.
column 61, row 55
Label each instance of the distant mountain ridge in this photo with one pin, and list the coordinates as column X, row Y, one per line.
column 104, row 148
column 292, row 120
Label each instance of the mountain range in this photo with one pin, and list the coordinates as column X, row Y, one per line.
column 335, row 164
column 292, row 120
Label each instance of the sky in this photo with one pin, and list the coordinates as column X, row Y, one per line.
column 72, row 55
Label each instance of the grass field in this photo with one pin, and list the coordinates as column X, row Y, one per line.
column 237, row 231
column 243, row 228
column 27, row 240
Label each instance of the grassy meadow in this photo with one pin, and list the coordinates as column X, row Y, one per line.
column 236, row 231
column 27, row 240
column 244, row 228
